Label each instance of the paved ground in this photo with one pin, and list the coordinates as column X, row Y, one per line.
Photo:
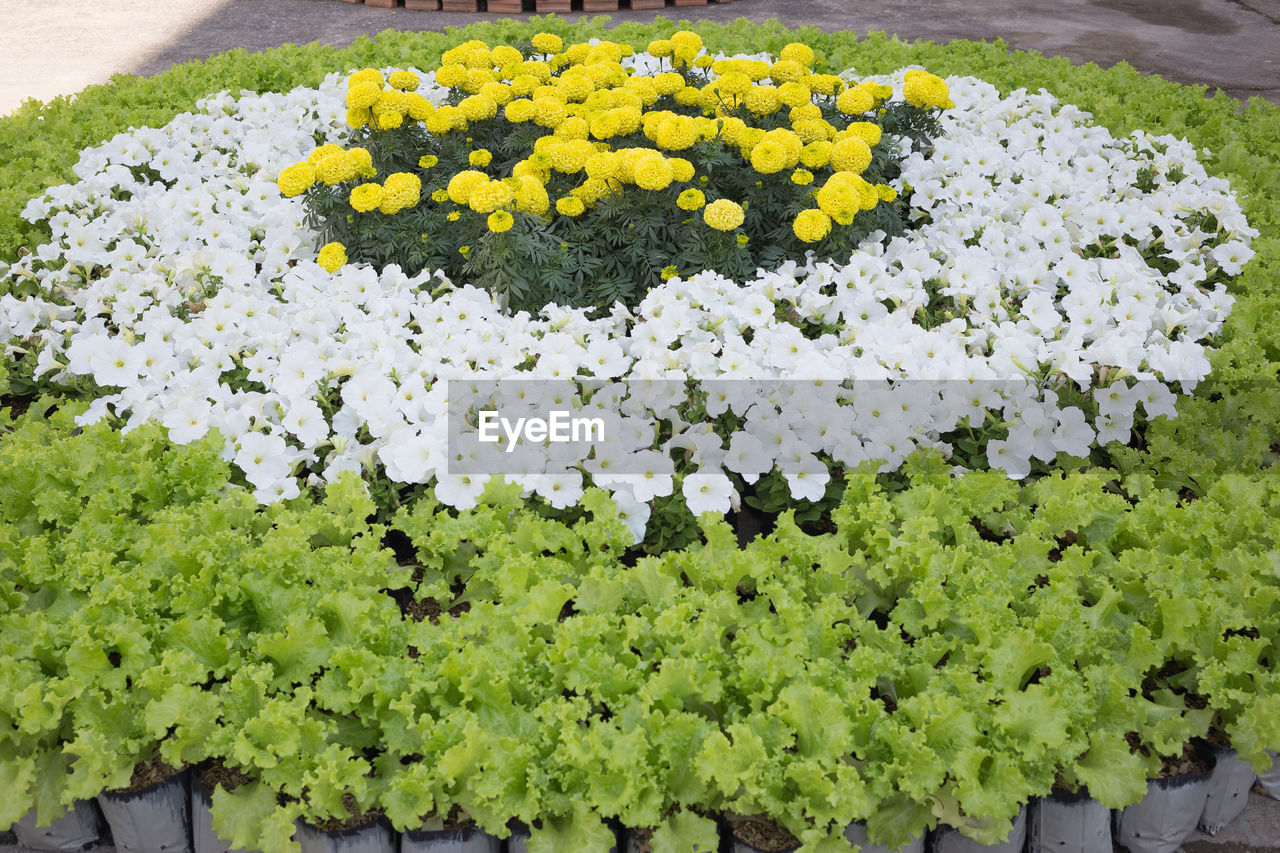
column 49, row 49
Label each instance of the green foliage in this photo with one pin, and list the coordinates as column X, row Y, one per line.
column 964, row 640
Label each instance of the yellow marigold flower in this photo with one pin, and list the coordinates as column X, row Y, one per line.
column 332, row 256
column 605, row 125
column 490, row 196
column 850, row 155
column 500, row 220
column 811, row 225
column 815, row 155
column 677, row 133
column 366, row 197
column 687, row 39
column 799, row 53
column 390, row 120
column 855, row 101
column 802, row 177
column 762, row 100
column 531, row 195
column 922, row 89
column 478, row 107
column 426, row 161
column 681, row 169
column 452, row 75
column 574, row 127
column 668, row 83
column 496, row 92
column 868, row 131
column 400, row 190
column 838, row 200
column 731, row 129
column 461, row 185
column 358, row 117
column 689, row 96
column 653, row 172
column 593, row 189
column 602, row 164
column 867, row 196
column 723, row 215
column 825, row 84
column 368, row 75
column 769, row 156
column 440, row 196
column 480, row 157
column 296, row 179
column 785, row 70
column 540, row 71
column 628, row 119
column 403, row 80
column 363, row 94
column 549, row 112
column 793, row 94
column 577, row 53
column 661, row 48
column 691, row 199
column 323, row 151
column 813, row 130
column 361, row 162
column 547, row 43
column 667, row 273
column 418, row 107
column 518, row 111
column 523, row 85
column 454, row 216
column 886, row 192
column 504, row 55
column 570, row 206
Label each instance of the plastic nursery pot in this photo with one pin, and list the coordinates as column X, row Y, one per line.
column 1269, row 782
column 1068, row 822
column 1166, row 816
column 374, row 837
column 155, row 819
column 76, row 829
column 1228, row 792
column 949, row 840
column 639, row 841
column 470, row 839
column 856, row 833
column 203, row 838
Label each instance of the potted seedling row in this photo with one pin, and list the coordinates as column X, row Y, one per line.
column 151, row 818
column 948, row 839
column 1228, row 792
column 1167, row 814
column 76, row 829
column 1068, row 822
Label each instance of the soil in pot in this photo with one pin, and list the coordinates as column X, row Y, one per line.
column 76, row 829
column 1228, row 791
column 949, row 840
column 856, row 833
column 151, row 815
column 1163, row 819
column 1068, row 822
column 759, row 834
column 205, row 780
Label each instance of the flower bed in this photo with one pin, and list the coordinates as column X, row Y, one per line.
column 927, row 647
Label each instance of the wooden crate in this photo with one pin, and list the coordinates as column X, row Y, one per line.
column 691, row 2
column 422, row 5
column 648, row 4
column 600, row 5
column 460, row 5
column 506, row 7
column 555, row 6
column 386, row 4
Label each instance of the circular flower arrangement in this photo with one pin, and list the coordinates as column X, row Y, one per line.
column 1050, row 285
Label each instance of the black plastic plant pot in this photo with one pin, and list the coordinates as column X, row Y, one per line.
column 1228, row 793
column 949, row 840
column 154, row 820
column 374, row 837
column 76, row 829
column 203, row 838
column 1166, row 816
column 1269, row 781
column 471, row 839
column 1068, row 822
column 518, row 841
column 856, row 833
column 740, row 846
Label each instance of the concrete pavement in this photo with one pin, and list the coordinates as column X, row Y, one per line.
column 49, row 49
